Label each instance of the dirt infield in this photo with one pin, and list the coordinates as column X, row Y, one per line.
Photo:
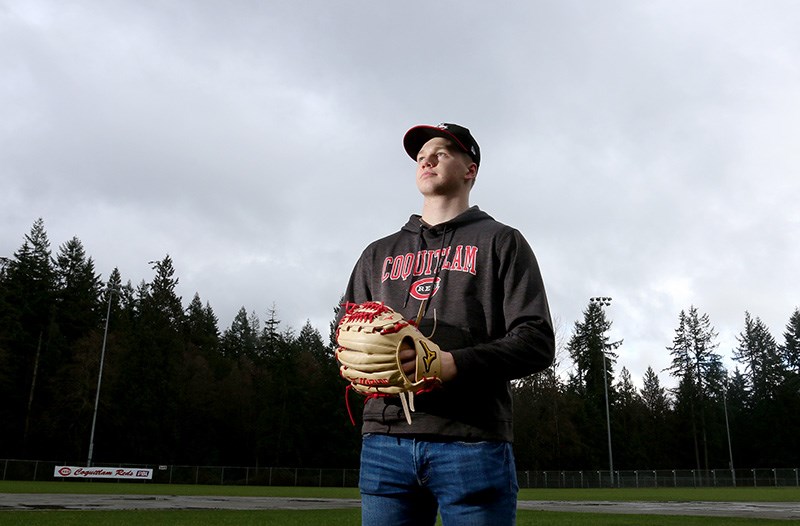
column 42, row 501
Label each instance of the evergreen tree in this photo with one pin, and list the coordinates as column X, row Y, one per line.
column 654, row 396
column 593, row 357
column 700, row 372
column 789, row 394
column 790, row 350
column 124, row 302
column 202, row 327
column 322, row 398
column 334, row 324
column 161, row 297
column 198, row 429
column 240, row 339
column 630, row 415
column 279, row 355
column 79, row 309
column 758, row 352
column 545, row 431
column 148, row 386
column 272, row 344
column 626, row 391
column 770, row 401
column 310, row 340
column 591, row 352
column 657, row 410
column 67, row 393
column 28, row 301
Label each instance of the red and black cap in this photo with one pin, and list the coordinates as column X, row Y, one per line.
column 417, row 136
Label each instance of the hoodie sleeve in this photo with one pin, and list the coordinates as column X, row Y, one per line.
column 528, row 345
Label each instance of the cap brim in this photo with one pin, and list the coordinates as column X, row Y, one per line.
column 417, row 136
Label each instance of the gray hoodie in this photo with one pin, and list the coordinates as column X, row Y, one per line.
column 487, row 306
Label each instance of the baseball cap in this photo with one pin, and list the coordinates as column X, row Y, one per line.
column 417, row 136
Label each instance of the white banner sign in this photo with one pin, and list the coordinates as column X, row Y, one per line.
column 103, row 473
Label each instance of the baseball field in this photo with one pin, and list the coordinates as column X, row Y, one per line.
column 89, row 504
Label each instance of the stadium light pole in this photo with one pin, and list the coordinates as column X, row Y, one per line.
column 728, row 430
column 605, row 301
column 111, row 292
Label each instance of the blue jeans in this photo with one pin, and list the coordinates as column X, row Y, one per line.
column 404, row 481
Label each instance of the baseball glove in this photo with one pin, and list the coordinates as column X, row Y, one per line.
column 370, row 336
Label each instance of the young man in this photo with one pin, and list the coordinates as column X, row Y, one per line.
column 487, row 310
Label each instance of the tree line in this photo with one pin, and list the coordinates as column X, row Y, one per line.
column 177, row 389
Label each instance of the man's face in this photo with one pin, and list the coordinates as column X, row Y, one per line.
column 443, row 169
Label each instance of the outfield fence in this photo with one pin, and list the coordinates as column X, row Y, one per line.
column 41, row 470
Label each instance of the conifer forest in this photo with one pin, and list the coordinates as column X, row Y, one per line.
column 179, row 389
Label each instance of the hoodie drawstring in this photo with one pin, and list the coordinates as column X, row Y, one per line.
column 421, row 244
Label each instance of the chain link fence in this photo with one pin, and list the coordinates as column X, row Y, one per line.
column 40, row 470
column 674, row 478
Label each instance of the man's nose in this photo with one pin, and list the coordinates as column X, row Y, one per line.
column 427, row 160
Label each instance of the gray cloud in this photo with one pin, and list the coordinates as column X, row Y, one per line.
column 646, row 150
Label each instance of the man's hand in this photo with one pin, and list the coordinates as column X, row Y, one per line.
column 408, row 357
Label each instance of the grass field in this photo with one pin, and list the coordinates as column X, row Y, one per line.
column 337, row 518
column 351, row 517
column 741, row 494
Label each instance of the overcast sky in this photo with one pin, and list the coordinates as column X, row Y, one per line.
column 648, row 150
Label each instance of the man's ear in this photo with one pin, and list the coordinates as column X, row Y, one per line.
column 472, row 172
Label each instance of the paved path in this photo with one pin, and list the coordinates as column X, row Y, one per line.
column 762, row 510
column 42, row 501
column 50, row 501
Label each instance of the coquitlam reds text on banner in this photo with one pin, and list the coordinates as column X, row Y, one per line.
column 102, row 473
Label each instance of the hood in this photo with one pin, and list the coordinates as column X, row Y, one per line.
column 470, row 215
